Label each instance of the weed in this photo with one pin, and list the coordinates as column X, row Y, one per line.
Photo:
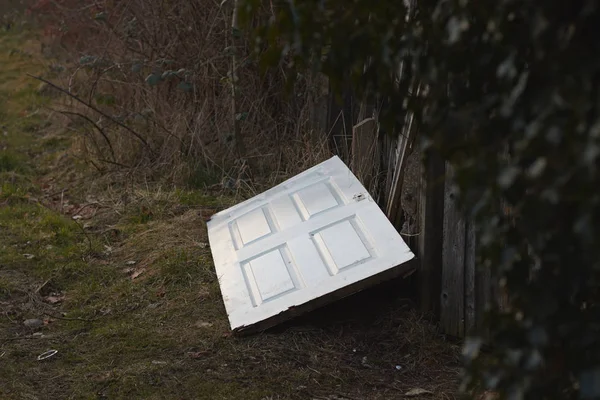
column 10, row 163
column 195, row 198
column 200, row 178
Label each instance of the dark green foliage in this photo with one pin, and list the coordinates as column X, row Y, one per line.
column 153, row 79
column 9, row 162
column 512, row 102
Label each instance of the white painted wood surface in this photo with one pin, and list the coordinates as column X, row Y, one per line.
column 315, row 233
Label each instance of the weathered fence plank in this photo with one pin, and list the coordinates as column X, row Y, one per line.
column 453, row 262
column 470, row 281
column 431, row 210
column 405, row 143
column 451, row 286
column 483, row 287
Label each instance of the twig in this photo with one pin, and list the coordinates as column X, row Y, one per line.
column 42, row 286
column 410, row 234
column 90, row 246
column 106, row 139
column 114, row 163
column 91, row 106
column 55, row 193
column 85, row 206
column 70, row 319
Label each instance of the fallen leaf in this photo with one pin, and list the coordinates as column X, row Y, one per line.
column 203, row 324
column 102, row 377
column 417, row 392
column 28, row 256
column 137, row 273
column 54, row 299
column 196, row 354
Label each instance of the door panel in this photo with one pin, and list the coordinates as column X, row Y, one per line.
column 303, row 239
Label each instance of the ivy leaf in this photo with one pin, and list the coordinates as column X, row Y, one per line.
column 153, row 79
column 164, row 61
column 167, row 74
column 87, row 60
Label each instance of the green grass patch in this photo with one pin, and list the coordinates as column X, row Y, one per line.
column 10, row 162
column 202, row 177
column 6, row 288
column 195, row 198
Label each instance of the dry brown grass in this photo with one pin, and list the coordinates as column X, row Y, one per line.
column 182, row 132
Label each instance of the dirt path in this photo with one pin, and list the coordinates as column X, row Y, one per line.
column 118, row 279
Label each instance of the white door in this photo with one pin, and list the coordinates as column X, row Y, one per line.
column 315, row 233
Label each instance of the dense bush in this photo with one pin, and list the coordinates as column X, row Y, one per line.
column 512, row 90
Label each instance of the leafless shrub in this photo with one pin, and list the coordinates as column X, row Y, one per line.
column 162, row 70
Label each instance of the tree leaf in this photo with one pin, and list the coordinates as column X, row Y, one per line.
column 153, row 79
column 87, row 60
column 417, row 392
column 167, row 74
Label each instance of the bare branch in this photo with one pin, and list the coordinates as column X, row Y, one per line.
column 91, row 106
column 98, row 128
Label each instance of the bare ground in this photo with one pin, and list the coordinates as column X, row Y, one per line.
column 119, row 275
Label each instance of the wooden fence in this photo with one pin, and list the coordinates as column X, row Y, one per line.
column 451, row 288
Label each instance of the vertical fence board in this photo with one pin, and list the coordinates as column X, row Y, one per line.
column 470, row 281
column 451, row 286
column 453, row 263
column 483, row 286
column 431, row 210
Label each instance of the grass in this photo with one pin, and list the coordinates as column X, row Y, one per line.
column 122, row 278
